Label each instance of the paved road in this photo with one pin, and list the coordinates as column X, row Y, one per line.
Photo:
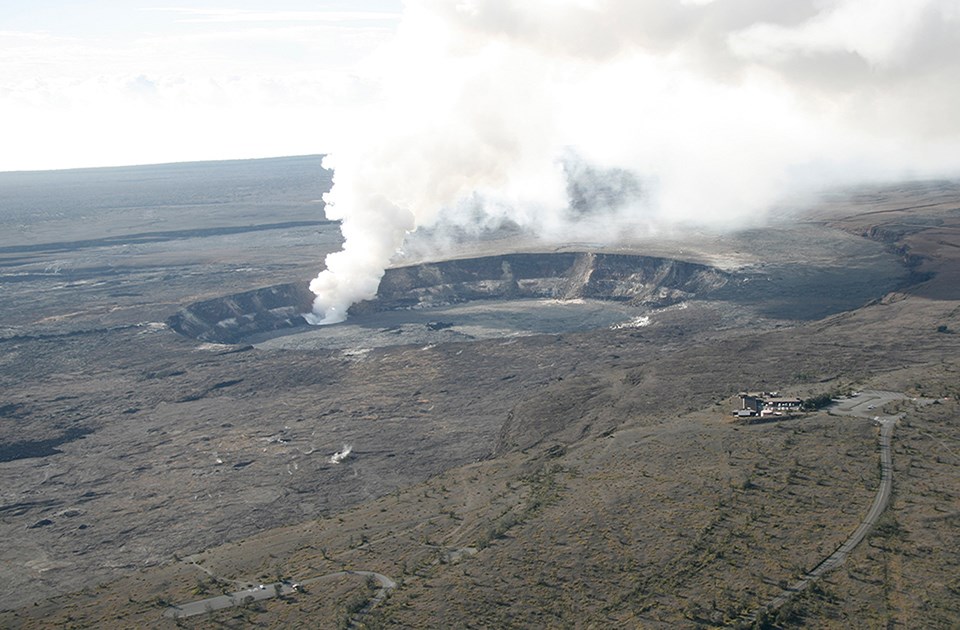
column 867, row 404
column 255, row 594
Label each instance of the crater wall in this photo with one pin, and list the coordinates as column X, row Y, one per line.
column 641, row 280
column 231, row 318
column 638, row 279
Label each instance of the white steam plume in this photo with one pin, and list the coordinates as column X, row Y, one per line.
column 618, row 119
column 341, row 455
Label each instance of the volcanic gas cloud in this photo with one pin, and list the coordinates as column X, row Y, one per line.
column 617, row 119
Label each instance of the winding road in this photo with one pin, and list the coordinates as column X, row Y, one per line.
column 866, row 404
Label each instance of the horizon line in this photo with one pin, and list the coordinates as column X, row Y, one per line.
column 163, row 163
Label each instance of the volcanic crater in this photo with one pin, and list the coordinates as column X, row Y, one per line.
column 510, row 295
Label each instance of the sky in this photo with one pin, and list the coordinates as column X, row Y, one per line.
column 117, row 82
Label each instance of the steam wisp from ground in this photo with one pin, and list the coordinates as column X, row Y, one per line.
column 607, row 120
column 341, row 455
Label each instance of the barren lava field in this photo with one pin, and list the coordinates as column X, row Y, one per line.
column 541, row 435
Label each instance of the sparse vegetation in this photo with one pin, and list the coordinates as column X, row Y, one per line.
column 818, row 402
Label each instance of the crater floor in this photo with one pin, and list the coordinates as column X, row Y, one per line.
column 489, row 319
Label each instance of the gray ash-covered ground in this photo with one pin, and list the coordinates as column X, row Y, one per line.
column 126, row 443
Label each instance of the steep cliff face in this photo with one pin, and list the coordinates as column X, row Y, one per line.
column 231, row 318
column 640, row 280
column 635, row 279
column 645, row 280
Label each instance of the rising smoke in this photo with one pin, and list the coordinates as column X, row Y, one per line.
column 341, row 455
column 621, row 119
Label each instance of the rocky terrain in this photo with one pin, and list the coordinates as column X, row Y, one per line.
column 164, row 434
